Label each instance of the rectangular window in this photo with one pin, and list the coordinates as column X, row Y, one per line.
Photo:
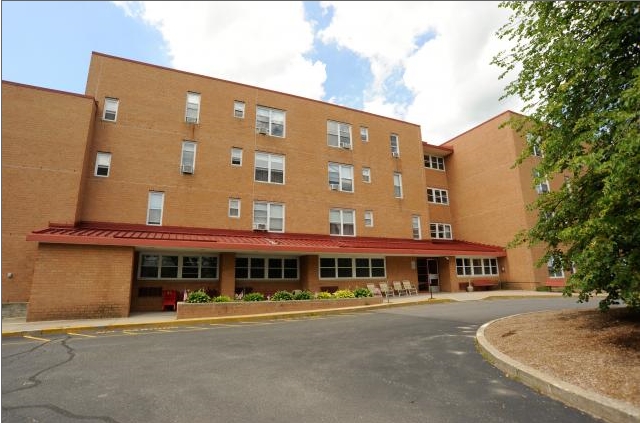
column 103, row 164
column 397, row 185
column 154, row 208
column 188, row 160
column 238, row 109
column 366, row 174
column 364, row 134
column 342, row 222
column 338, row 134
column 543, row 186
column 434, row 162
column 415, row 227
column 270, row 122
column 268, row 216
column 534, row 144
column 110, row 109
column 174, row 266
column 554, row 273
column 437, row 196
column 236, row 156
column 347, row 267
column 192, row 114
column 368, row 218
column 266, row 268
column 341, row 177
column 234, row 207
column 269, row 168
column 476, row 266
column 440, row 231
column 395, row 145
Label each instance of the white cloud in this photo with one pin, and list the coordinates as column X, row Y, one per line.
column 256, row 43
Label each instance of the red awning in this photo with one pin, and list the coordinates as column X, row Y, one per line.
column 141, row 236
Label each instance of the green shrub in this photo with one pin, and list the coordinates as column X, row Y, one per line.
column 253, row 296
column 344, row 293
column 221, row 299
column 282, row 296
column 198, row 297
column 324, row 295
column 303, row 295
column 362, row 292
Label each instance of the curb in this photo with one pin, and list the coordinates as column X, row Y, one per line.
column 599, row 406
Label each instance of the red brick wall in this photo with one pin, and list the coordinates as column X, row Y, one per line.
column 81, row 281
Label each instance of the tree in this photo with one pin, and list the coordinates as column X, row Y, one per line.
column 578, row 73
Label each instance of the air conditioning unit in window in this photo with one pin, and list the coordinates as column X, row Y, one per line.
column 345, row 145
column 395, row 154
column 334, row 187
column 187, row 169
column 259, row 226
column 191, row 119
column 262, row 131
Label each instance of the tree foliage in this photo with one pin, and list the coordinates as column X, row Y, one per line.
column 578, row 72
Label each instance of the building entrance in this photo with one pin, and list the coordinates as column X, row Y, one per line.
column 428, row 274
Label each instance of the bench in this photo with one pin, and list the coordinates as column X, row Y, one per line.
column 485, row 284
column 555, row 283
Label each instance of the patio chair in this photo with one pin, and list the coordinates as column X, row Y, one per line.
column 409, row 287
column 386, row 291
column 374, row 290
column 397, row 286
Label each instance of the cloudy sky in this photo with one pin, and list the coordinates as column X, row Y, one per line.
column 423, row 62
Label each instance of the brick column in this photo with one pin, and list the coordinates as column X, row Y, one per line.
column 228, row 274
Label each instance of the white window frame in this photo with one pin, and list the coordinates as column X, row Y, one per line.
column 272, row 160
column 341, row 219
column 193, row 103
column 272, row 122
column 238, row 109
column 234, row 205
column 260, row 267
column 236, row 154
column 269, row 220
column 440, row 230
column 476, row 266
column 155, row 202
column 179, row 266
column 434, row 162
column 368, row 218
column 103, row 161
column 416, row 227
column 344, row 174
column 438, row 196
column 366, row 175
column 188, row 148
column 364, row 134
column 110, row 108
column 339, row 134
column 542, row 187
column 397, row 185
column 351, row 267
column 394, row 141
column 554, row 274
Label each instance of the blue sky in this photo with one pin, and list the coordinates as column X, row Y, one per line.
column 423, row 62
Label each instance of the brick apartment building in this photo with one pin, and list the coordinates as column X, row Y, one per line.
column 157, row 179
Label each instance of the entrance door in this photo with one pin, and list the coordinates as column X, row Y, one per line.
column 427, row 274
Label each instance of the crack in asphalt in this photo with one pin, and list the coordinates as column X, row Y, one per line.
column 60, row 411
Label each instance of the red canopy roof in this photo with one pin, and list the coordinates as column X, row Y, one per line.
column 95, row 233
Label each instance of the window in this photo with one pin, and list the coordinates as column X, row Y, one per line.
column 476, row 266
column 415, row 227
column 238, row 109
column 368, row 218
column 268, row 215
column 234, row 207
column 270, row 121
column 534, row 144
column 395, row 145
column 236, row 156
column 188, row 161
column 269, row 168
column 347, row 267
column 338, row 134
column 192, row 114
column 154, row 208
column 440, row 230
column 110, row 109
column 364, row 134
column 175, row 266
column 543, row 186
column 341, row 177
column 266, row 268
column 437, row 196
column 554, row 273
column 342, row 222
column 366, row 174
column 103, row 164
column 397, row 185
column 434, row 162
